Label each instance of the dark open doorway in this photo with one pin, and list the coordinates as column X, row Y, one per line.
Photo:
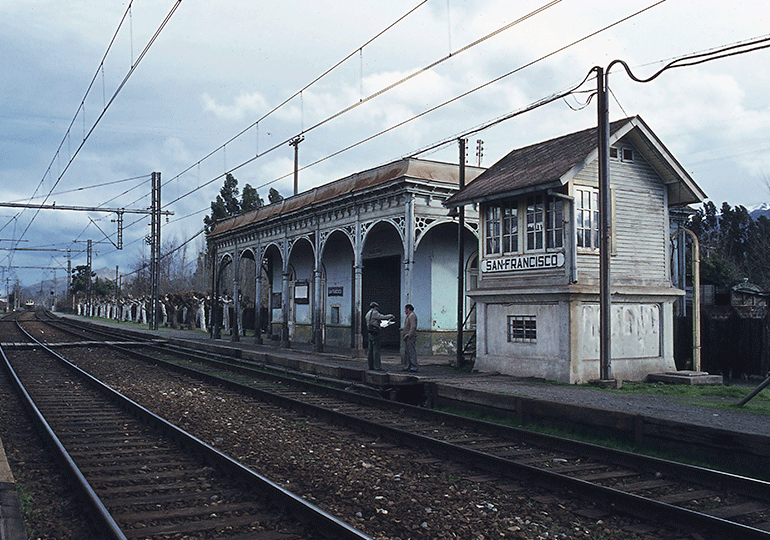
column 381, row 283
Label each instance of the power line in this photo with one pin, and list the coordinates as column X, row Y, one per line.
column 87, row 135
column 299, row 92
column 350, row 108
column 432, row 109
column 467, row 93
column 95, row 186
column 695, row 59
column 85, row 96
column 362, row 101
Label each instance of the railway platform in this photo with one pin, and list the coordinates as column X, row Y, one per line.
column 732, row 435
column 11, row 522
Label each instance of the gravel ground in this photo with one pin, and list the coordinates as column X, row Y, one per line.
column 50, row 509
column 387, row 493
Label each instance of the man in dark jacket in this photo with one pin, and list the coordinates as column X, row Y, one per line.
column 373, row 329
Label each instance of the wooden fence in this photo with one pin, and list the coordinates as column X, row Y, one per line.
column 733, row 347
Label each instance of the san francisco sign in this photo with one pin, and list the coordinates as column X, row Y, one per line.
column 523, row 262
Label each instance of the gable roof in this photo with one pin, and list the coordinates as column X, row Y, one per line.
column 551, row 164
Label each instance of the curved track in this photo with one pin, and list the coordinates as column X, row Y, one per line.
column 143, row 477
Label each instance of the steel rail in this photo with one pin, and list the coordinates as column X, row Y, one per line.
column 94, row 502
column 746, row 486
column 631, row 503
column 330, row 525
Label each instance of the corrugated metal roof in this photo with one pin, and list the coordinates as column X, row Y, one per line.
column 416, row 169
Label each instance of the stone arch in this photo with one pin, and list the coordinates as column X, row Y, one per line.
column 382, row 258
column 440, row 222
column 435, row 291
column 273, row 266
column 326, row 235
column 224, row 267
column 366, row 229
column 337, row 298
column 247, row 301
column 301, row 290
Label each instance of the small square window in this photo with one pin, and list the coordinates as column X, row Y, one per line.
column 522, row 329
column 614, row 153
column 628, row 154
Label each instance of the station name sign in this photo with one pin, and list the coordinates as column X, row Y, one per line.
column 523, row 262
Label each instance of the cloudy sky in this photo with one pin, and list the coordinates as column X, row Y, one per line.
column 81, row 128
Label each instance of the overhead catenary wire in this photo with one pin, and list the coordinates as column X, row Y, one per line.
column 692, row 61
column 473, row 90
column 349, row 108
column 364, row 99
column 299, row 92
column 432, row 109
column 107, row 106
column 93, row 186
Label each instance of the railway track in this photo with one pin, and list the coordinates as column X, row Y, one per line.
column 716, row 503
column 143, row 477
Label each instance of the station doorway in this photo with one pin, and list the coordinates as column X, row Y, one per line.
column 381, row 283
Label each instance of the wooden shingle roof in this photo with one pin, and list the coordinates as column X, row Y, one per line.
column 550, row 164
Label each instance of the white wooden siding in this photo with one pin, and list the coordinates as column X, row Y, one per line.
column 640, row 225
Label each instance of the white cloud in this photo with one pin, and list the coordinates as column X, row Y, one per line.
column 243, row 105
column 218, row 67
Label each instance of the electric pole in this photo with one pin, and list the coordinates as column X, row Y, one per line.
column 155, row 251
column 605, row 299
column 295, row 143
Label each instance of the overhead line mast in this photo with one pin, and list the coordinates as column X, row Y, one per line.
column 118, row 211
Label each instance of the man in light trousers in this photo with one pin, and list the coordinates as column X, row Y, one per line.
column 409, row 335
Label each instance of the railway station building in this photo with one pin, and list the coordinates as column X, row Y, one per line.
column 308, row 267
column 537, row 289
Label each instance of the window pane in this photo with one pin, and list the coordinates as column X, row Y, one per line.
column 510, row 229
column 522, row 328
column 535, row 222
column 492, row 230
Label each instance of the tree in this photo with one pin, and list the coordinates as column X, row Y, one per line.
column 100, row 288
column 251, row 199
column 226, row 203
column 734, row 246
column 273, row 196
column 80, row 278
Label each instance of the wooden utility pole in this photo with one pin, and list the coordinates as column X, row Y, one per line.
column 605, row 299
column 295, row 143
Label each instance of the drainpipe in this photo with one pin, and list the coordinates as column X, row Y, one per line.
column 460, row 357
column 695, row 296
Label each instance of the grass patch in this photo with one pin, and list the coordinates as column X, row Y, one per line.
column 26, row 503
column 712, row 395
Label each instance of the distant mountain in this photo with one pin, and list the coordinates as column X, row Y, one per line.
column 761, row 210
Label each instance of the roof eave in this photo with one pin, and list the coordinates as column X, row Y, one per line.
column 553, row 184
